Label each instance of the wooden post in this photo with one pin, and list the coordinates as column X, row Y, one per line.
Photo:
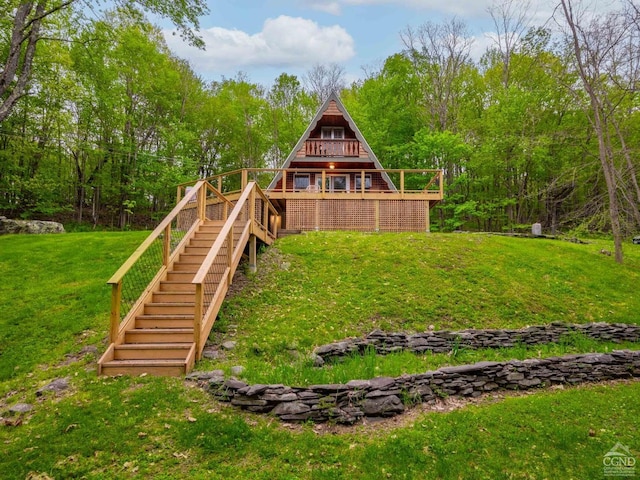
column 362, row 182
column 402, row 183
column 116, row 298
column 230, row 255
column 265, row 214
column 197, row 319
column 179, row 194
column 284, row 181
column 166, row 245
column 220, row 184
column 202, row 201
column 324, row 181
column 244, row 179
column 252, row 209
column 427, row 216
column 253, row 255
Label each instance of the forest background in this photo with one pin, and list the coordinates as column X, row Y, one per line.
column 545, row 127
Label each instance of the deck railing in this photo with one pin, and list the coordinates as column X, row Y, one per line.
column 408, row 183
column 332, row 148
column 251, row 216
column 135, row 278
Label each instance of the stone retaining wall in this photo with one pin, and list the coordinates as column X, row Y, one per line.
column 444, row 341
column 386, row 396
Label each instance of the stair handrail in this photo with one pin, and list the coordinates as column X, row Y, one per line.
column 198, row 195
column 225, row 235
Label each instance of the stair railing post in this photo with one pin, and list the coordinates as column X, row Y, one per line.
column 402, row 183
column 116, row 299
column 245, row 177
column 166, row 245
column 197, row 318
column 202, row 202
column 230, row 255
column 252, row 208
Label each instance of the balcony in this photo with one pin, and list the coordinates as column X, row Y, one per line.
column 332, row 148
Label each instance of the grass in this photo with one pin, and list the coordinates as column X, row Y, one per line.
column 55, row 302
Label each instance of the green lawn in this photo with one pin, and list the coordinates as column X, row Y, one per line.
column 313, row 289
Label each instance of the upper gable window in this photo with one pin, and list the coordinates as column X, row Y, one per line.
column 332, row 133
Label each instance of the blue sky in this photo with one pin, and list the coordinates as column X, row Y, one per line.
column 266, row 38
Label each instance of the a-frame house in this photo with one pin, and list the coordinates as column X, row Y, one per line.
column 332, row 180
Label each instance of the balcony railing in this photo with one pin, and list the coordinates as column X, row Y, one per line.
column 367, row 183
column 332, row 148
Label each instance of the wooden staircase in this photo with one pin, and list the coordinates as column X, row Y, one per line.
column 162, row 340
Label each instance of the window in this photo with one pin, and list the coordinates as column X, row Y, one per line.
column 335, row 183
column 332, row 133
column 301, row 181
column 367, row 181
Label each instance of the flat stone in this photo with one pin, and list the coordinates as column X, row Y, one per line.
column 243, row 401
column 237, row 370
column 253, row 390
column 515, row 376
column 381, row 383
column 291, row 408
column 234, row 384
column 331, row 387
column 58, row 385
column 211, row 353
column 383, row 406
column 529, row 382
column 285, row 397
column 21, row 408
column 359, row 384
column 205, row 375
column 229, row 345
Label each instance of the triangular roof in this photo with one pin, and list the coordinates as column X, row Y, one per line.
column 314, row 123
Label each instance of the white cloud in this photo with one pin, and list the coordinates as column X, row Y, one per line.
column 332, row 8
column 283, row 42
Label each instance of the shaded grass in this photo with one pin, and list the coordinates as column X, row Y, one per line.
column 55, row 301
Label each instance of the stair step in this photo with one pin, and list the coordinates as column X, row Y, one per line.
column 159, row 335
column 169, row 308
column 168, row 286
column 200, row 242
column 149, row 321
column 174, row 297
column 169, row 368
column 152, row 351
column 184, row 277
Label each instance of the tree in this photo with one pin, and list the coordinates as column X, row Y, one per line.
column 24, row 24
column 321, row 80
column 599, row 52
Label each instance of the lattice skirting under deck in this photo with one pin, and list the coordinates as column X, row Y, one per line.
column 358, row 214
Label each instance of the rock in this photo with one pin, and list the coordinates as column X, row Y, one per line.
column 381, row 383
column 57, row 386
column 234, row 384
column 237, row 370
column 291, row 408
column 318, row 361
column 213, row 374
column 382, row 406
column 210, row 352
column 29, row 226
column 21, row 408
column 229, row 345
